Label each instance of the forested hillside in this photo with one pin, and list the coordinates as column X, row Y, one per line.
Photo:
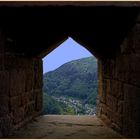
column 51, row 106
column 75, row 80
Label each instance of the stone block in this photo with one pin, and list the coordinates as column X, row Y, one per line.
column 109, row 113
column 15, row 102
column 1, row 62
column 6, row 124
column 18, row 115
column 120, row 107
column 136, row 112
column 97, row 100
column 136, row 39
column 131, row 93
column 100, row 70
column 127, row 125
column 108, row 67
column 38, row 102
column 38, row 64
column 9, row 46
column 127, row 113
column 20, row 81
column 4, row 105
column 106, row 120
column 38, row 80
column 120, row 93
column 104, row 109
column 38, row 74
column 132, row 104
column 1, row 134
column 29, row 80
column 4, row 110
column 138, row 18
column 126, row 46
column 22, row 63
column 122, row 68
column 108, row 86
column 25, row 63
column 10, row 62
column 4, row 99
column 117, row 119
column 116, row 127
column 100, row 88
column 17, row 61
column 4, row 85
column 98, row 109
column 134, row 69
column 103, row 91
column 17, row 82
column 24, row 99
column 135, row 129
column 33, row 94
column 114, row 87
column 14, row 83
column 29, row 109
column 111, row 102
column 2, row 43
column 131, row 129
column 117, row 89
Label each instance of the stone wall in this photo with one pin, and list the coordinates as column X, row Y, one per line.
column 20, row 87
column 118, row 90
column 119, row 87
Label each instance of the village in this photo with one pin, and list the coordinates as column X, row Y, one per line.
column 79, row 106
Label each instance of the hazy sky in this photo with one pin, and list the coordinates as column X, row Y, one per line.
column 67, row 51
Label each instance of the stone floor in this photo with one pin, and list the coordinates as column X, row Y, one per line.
column 65, row 127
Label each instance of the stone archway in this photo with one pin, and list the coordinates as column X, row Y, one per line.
column 110, row 31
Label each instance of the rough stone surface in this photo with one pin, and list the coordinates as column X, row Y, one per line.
column 65, row 127
column 19, row 100
column 119, row 85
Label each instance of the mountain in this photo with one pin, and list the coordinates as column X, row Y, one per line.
column 76, row 79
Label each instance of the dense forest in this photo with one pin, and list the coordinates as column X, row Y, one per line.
column 75, row 81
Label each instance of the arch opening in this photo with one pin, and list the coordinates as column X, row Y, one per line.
column 69, row 80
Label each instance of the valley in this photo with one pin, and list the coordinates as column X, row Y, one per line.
column 79, row 106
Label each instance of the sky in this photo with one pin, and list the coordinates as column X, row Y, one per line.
column 69, row 50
